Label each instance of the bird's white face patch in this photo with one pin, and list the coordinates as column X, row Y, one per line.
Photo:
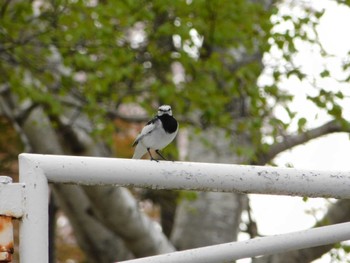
column 164, row 109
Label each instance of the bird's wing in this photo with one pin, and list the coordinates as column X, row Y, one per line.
column 140, row 151
column 149, row 127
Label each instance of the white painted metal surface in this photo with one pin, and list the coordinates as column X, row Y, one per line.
column 229, row 252
column 11, row 201
column 36, row 171
column 34, row 232
column 191, row 176
column 10, row 207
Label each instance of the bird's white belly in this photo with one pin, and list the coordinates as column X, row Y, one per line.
column 157, row 139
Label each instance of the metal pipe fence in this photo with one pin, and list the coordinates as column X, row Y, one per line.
column 28, row 199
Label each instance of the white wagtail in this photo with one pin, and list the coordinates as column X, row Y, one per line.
column 157, row 134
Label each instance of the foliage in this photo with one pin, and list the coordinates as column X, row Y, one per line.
column 340, row 253
column 108, row 53
column 9, row 147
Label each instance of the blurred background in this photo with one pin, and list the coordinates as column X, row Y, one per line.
column 251, row 82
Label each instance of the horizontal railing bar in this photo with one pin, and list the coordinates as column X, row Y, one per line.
column 11, row 199
column 229, row 252
column 192, row 176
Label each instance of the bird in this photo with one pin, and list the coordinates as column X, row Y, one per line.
column 157, row 133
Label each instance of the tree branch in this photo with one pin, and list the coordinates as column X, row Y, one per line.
column 6, row 110
column 291, row 141
column 4, row 8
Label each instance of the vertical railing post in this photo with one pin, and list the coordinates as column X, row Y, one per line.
column 11, row 207
column 6, row 230
column 34, row 224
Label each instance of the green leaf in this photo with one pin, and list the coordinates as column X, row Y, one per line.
column 325, row 73
column 336, row 111
column 301, row 124
column 188, row 195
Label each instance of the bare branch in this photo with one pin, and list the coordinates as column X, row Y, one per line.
column 291, row 141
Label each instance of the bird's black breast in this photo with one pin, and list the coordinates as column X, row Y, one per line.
column 169, row 123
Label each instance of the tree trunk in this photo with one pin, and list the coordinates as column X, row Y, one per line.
column 95, row 239
column 211, row 218
column 141, row 235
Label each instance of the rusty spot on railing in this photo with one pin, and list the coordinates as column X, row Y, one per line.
column 6, row 239
column 5, row 257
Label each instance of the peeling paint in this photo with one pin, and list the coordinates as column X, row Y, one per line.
column 5, row 257
column 5, row 180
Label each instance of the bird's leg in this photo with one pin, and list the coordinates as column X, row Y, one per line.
column 149, row 152
column 158, row 152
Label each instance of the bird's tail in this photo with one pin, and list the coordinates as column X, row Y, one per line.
column 140, row 151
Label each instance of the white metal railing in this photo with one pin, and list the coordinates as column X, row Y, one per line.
column 229, row 252
column 28, row 199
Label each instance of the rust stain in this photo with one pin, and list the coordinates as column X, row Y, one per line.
column 6, row 239
column 5, row 222
column 11, row 214
column 5, row 257
column 7, row 248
